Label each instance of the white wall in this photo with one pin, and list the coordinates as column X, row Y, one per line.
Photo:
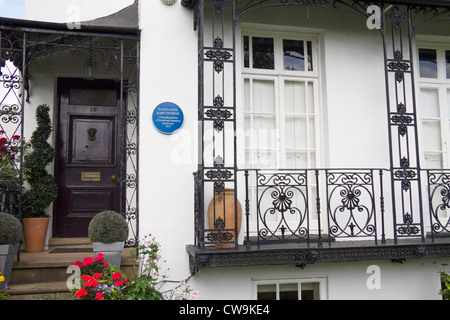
column 72, row 10
column 411, row 280
column 167, row 162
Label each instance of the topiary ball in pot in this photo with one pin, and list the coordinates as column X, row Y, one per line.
column 10, row 229
column 108, row 230
column 108, row 227
column 10, row 238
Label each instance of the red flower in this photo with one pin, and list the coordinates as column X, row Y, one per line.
column 118, row 283
column 99, row 257
column 97, row 275
column 79, row 264
column 116, row 276
column 81, row 293
column 92, row 282
column 85, row 277
column 99, row 296
column 16, row 137
column 105, row 264
column 88, row 261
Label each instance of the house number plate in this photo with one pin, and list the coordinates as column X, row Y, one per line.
column 90, row 176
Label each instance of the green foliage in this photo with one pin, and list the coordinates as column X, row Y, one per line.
column 445, row 292
column 10, row 149
column 43, row 188
column 146, row 285
column 108, row 227
column 10, row 229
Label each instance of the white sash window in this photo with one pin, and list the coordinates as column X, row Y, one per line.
column 281, row 104
column 434, row 105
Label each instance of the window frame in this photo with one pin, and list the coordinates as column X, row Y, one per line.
column 321, row 280
column 280, row 34
column 279, row 76
column 442, row 84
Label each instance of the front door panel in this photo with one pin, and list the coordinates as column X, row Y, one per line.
column 87, row 153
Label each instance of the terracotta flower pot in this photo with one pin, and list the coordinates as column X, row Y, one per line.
column 35, row 231
column 221, row 217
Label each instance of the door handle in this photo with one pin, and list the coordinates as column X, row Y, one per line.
column 114, row 178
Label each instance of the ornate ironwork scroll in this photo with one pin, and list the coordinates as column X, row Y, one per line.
column 351, row 203
column 282, row 205
column 401, row 104
column 216, row 111
column 12, row 92
column 439, row 201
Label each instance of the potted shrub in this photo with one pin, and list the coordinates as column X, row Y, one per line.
column 42, row 190
column 108, row 231
column 10, row 237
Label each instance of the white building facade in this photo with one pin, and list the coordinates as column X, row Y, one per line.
column 328, row 121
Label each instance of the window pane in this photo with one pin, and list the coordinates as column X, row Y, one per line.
column 433, row 161
column 310, row 291
column 294, row 55
column 427, row 63
column 309, row 56
column 432, row 135
column 263, row 53
column 247, row 95
column 267, row 292
column 296, row 132
column 429, row 103
column 289, row 291
column 263, row 96
column 447, row 63
column 294, row 99
column 246, row 52
column 296, row 159
column 448, row 103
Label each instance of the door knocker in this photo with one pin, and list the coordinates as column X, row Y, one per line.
column 92, row 134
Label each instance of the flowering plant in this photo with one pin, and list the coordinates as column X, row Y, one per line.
column 99, row 280
column 9, row 172
column 145, row 285
column 4, row 295
column 149, row 282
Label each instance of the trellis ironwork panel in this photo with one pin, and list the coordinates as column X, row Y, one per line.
column 12, row 88
column 439, row 201
column 313, row 205
column 216, row 115
column 23, row 51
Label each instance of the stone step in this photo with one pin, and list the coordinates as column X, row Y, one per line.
column 46, row 266
column 43, row 275
column 40, row 291
column 69, row 242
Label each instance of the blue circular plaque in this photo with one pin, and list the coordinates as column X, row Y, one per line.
column 168, row 117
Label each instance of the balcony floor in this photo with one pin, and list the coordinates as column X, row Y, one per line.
column 302, row 253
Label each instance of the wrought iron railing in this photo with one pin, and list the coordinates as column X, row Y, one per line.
column 324, row 206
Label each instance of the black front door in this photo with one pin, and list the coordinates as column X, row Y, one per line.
column 87, row 153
